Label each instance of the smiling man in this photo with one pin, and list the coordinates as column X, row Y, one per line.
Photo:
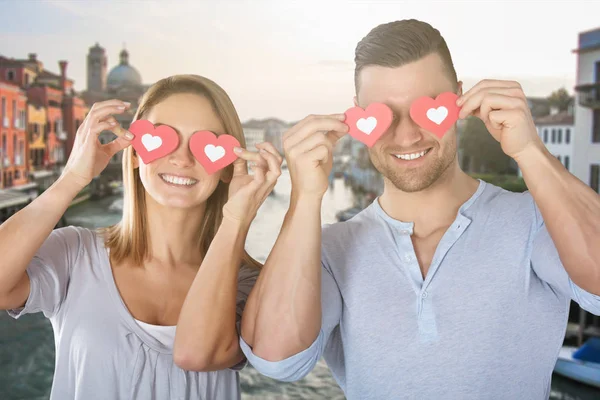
column 445, row 286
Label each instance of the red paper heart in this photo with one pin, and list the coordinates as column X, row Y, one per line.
column 152, row 142
column 369, row 124
column 213, row 152
column 436, row 116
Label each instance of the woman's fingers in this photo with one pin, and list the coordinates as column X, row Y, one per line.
column 274, row 170
column 248, row 155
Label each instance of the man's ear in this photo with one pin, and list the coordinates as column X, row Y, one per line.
column 460, row 88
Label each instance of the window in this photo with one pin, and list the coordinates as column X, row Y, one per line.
column 22, row 152
column 567, row 136
column 545, row 135
column 567, row 162
column 3, row 148
column 56, row 127
column 14, row 111
column 553, row 135
column 594, row 176
column 558, row 158
column 18, row 174
column 26, row 79
column 3, row 109
column 10, row 75
column 596, row 127
column 559, row 136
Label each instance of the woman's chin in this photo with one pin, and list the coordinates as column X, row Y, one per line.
column 182, row 201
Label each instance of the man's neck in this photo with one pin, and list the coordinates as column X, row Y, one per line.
column 433, row 207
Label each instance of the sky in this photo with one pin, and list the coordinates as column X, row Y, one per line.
column 286, row 58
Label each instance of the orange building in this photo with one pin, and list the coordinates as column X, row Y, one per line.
column 63, row 109
column 14, row 155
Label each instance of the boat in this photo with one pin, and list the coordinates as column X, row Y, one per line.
column 580, row 364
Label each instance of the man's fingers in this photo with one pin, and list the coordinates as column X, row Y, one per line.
column 334, row 136
column 324, row 124
column 317, row 139
column 499, row 98
column 489, row 83
column 498, row 102
column 300, row 125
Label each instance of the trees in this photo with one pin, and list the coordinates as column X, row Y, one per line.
column 481, row 153
column 560, row 99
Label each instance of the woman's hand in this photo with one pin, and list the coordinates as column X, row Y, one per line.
column 248, row 192
column 89, row 157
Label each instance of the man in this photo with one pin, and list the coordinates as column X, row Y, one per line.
column 445, row 286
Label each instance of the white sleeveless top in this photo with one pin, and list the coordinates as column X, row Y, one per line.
column 164, row 334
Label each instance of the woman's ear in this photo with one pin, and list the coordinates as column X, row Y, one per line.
column 136, row 163
column 227, row 174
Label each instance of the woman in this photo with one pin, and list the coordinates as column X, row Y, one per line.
column 115, row 296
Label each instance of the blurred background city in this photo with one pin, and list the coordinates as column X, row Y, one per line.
column 279, row 61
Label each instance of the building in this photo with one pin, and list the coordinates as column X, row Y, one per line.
column 586, row 152
column 123, row 82
column 13, row 148
column 273, row 132
column 556, row 131
column 54, row 111
column 254, row 136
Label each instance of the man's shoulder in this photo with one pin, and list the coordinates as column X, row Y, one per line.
column 501, row 203
column 342, row 232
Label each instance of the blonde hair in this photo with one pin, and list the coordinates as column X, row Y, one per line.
column 398, row 43
column 127, row 239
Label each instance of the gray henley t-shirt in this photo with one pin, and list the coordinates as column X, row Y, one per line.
column 486, row 323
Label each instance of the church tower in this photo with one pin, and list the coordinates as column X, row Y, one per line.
column 96, row 69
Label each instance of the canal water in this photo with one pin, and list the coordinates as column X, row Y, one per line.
column 27, row 346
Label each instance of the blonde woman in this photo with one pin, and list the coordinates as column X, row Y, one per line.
column 115, row 296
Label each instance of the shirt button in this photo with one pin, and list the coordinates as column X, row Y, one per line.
column 424, row 295
column 404, row 232
column 408, row 258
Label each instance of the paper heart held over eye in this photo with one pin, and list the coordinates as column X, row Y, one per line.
column 369, row 124
column 436, row 116
column 152, row 142
column 213, row 152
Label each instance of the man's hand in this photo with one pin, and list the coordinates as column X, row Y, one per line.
column 308, row 148
column 503, row 107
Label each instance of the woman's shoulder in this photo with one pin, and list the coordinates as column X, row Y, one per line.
column 73, row 240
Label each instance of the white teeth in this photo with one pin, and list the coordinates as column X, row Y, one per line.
column 177, row 180
column 410, row 156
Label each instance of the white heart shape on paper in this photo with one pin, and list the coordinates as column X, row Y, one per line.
column 437, row 115
column 367, row 125
column 213, row 152
column 151, row 142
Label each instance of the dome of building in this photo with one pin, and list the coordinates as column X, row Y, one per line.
column 123, row 74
